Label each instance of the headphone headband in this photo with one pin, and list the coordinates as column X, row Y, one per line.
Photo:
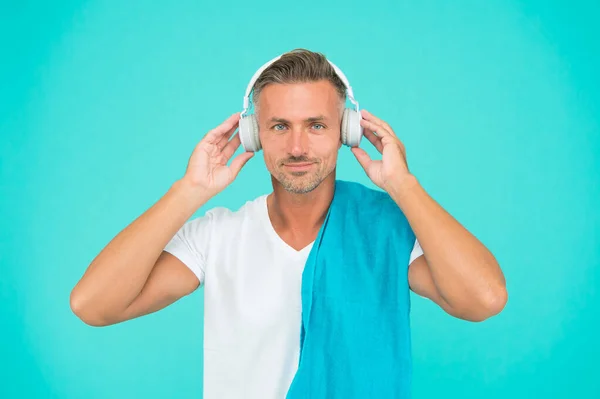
column 257, row 74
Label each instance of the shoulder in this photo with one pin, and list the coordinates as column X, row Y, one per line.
column 365, row 195
column 223, row 216
column 220, row 224
column 371, row 204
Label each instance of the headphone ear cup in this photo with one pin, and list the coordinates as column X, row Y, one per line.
column 248, row 131
column 345, row 127
column 352, row 131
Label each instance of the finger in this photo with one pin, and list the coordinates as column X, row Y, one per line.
column 362, row 157
column 375, row 140
column 215, row 135
column 223, row 142
column 393, row 141
column 231, row 147
column 378, row 129
column 369, row 116
column 238, row 162
column 372, row 118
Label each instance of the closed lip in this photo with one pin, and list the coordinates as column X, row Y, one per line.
column 299, row 164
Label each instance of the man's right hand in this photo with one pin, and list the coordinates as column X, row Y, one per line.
column 207, row 168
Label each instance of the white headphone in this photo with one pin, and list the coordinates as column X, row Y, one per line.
column 352, row 131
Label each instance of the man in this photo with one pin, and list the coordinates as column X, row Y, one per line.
column 250, row 261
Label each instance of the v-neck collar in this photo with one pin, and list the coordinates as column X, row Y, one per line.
column 275, row 236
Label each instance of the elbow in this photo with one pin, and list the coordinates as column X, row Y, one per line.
column 491, row 305
column 498, row 301
column 84, row 312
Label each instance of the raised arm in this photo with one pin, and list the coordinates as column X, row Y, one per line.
column 133, row 275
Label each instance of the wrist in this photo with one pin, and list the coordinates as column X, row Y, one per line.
column 401, row 188
column 190, row 193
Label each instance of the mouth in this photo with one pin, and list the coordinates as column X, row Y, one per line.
column 299, row 166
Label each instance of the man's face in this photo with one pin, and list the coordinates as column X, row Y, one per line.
column 299, row 128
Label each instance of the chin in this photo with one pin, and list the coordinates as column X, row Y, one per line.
column 299, row 183
column 299, row 189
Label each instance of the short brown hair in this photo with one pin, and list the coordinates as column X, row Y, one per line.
column 299, row 66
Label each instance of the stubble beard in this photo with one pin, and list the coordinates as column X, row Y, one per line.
column 300, row 182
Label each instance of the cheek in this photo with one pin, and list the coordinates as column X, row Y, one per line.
column 328, row 156
column 272, row 145
column 272, row 157
column 325, row 143
column 268, row 157
column 333, row 157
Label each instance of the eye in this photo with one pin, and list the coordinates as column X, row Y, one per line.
column 318, row 124
column 279, row 124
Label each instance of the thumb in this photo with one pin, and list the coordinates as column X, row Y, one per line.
column 239, row 161
column 362, row 157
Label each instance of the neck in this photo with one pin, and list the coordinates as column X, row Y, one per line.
column 301, row 213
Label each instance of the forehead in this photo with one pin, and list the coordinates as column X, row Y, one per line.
column 297, row 100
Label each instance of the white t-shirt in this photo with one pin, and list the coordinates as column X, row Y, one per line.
column 252, row 300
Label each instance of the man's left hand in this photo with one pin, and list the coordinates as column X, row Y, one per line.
column 391, row 171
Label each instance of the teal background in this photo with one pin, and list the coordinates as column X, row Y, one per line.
column 497, row 102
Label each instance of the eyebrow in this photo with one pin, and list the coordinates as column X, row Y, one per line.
column 311, row 119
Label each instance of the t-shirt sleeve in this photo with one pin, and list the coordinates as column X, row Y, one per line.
column 190, row 244
column 416, row 252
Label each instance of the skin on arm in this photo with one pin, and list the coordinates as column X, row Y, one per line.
column 421, row 283
column 457, row 271
column 133, row 275
column 169, row 281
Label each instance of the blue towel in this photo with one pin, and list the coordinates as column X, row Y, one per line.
column 355, row 338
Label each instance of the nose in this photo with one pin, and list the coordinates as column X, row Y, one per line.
column 298, row 142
